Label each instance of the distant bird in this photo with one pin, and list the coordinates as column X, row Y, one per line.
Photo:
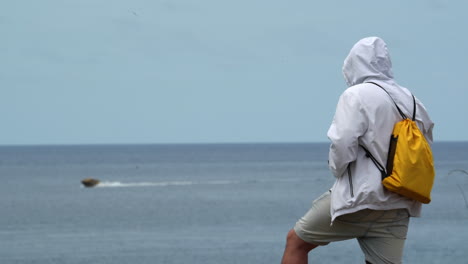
column 89, row 182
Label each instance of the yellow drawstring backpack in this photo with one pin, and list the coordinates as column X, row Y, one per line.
column 410, row 166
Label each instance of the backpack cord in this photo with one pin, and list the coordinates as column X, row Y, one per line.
column 377, row 164
column 368, row 154
column 399, row 110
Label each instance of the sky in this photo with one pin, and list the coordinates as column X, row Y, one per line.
column 214, row 71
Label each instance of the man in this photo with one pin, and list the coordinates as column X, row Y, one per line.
column 358, row 206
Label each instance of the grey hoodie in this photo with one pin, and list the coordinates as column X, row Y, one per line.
column 365, row 115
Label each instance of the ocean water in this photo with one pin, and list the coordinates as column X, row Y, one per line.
column 213, row 203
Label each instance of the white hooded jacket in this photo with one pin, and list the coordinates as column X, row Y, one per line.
column 365, row 115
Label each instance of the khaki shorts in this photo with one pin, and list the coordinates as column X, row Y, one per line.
column 381, row 234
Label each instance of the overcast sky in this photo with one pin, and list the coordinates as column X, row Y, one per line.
column 213, row 71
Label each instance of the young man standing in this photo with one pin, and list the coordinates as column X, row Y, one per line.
column 358, row 206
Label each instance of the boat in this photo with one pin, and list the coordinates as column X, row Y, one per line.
column 90, row 182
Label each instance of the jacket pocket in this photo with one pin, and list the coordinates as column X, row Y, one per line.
column 351, row 188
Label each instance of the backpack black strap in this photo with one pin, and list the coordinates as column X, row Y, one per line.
column 399, row 110
column 377, row 164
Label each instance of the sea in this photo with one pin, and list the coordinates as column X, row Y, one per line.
column 196, row 203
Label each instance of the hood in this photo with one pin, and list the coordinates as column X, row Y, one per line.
column 368, row 59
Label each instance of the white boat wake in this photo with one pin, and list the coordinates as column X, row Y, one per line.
column 107, row 184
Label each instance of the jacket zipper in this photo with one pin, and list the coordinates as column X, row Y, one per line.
column 350, row 181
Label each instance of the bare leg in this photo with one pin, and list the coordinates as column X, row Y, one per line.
column 297, row 250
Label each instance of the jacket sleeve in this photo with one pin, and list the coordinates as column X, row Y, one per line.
column 349, row 123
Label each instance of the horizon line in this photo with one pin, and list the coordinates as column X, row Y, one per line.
column 189, row 143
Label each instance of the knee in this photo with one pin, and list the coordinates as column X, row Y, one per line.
column 291, row 235
column 295, row 242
